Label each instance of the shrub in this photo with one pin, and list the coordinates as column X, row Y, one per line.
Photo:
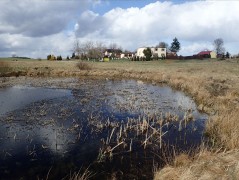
column 84, row 66
column 59, row 58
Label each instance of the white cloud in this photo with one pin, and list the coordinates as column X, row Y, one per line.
column 58, row 44
column 36, row 28
column 193, row 22
column 37, row 18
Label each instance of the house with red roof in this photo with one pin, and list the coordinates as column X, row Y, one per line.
column 207, row 54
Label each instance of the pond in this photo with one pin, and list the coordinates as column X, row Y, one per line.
column 108, row 128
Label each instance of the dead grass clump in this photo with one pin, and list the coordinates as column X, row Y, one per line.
column 83, row 66
column 4, row 67
column 206, row 165
column 82, row 175
column 223, row 129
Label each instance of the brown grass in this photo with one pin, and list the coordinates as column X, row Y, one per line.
column 213, row 84
column 4, row 67
column 205, row 165
column 84, row 65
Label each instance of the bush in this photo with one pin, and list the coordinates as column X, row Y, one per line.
column 59, row 58
column 84, row 66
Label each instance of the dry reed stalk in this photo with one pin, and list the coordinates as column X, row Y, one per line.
column 107, row 142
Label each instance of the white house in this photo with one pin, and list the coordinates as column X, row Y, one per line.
column 158, row 52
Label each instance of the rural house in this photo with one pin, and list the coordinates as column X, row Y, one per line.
column 207, row 54
column 113, row 53
column 156, row 52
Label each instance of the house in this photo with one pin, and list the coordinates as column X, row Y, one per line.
column 127, row 55
column 156, row 52
column 207, row 54
column 113, row 53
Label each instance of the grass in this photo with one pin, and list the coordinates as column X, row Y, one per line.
column 205, row 165
column 84, row 65
column 213, row 84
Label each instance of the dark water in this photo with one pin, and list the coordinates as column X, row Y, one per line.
column 56, row 132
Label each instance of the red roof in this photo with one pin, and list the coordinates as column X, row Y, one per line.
column 204, row 52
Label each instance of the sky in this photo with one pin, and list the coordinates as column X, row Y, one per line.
column 36, row 28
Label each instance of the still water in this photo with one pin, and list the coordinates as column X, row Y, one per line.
column 101, row 125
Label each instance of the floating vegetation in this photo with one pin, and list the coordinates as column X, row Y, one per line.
column 107, row 128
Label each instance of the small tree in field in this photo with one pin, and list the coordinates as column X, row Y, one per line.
column 175, row 45
column 218, row 46
column 148, row 53
column 227, row 55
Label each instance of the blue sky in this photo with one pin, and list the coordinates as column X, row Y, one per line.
column 52, row 26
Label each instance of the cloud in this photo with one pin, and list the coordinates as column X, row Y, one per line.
column 58, row 44
column 191, row 22
column 38, row 18
column 39, row 27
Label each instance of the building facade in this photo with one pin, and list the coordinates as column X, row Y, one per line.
column 156, row 52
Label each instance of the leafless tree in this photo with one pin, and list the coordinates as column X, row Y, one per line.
column 162, row 45
column 89, row 49
column 218, row 45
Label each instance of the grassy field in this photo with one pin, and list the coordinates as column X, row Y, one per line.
column 213, row 84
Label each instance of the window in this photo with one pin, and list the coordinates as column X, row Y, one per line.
column 163, row 49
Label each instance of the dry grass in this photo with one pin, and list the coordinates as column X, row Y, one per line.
column 4, row 67
column 84, row 65
column 213, row 84
column 82, row 175
column 206, row 165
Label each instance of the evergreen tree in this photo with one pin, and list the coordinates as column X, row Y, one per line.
column 227, row 55
column 73, row 55
column 175, row 45
column 148, row 54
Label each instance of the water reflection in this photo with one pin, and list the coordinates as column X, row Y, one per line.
column 15, row 97
column 66, row 129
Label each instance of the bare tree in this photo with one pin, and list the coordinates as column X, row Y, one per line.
column 218, row 46
column 89, row 49
column 162, row 45
column 76, row 48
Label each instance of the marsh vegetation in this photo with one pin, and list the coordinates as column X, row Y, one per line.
column 122, row 128
column 212, row 84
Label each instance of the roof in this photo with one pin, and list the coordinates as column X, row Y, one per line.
column 206, row 52
column 113, row 50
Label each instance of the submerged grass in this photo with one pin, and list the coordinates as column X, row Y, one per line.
column 213, row 84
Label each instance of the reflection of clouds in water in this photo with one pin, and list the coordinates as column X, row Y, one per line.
column 135, row 96
column 15, row 137
column 54, row 137
column 183, row 101
column 17, row 97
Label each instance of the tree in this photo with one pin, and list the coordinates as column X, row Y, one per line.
column 162, row 45
column 59, row 58
column 218, row 46
column 49, row 57
column 73, row 55
column 148, row 53
column 175, row 45
column 227, row 55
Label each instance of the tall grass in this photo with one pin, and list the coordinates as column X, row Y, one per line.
column 214, row 85
column 4, row 67
column 84, row 65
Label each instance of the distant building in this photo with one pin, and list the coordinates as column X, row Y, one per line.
column 207, row 54
column 156, row 52
column 127, row 55
column 113, row 53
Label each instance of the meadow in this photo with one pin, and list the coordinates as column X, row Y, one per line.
column 213, row 84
